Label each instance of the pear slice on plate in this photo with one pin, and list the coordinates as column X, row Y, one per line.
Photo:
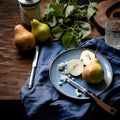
column 75, row 67
column 86, row 56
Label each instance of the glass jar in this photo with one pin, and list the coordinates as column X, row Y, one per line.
column 112, row 32
column 29, row 9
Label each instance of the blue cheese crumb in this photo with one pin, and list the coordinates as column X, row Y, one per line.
column 61, row 66
column 78, row 93
column 73, row 78
column 66, row 72
column 61, row 83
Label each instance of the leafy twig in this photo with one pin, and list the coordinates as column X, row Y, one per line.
column 70, row 22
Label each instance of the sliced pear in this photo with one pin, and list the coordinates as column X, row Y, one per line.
column 86, row 56
column 75, row 67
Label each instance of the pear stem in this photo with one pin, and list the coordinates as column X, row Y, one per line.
column 95, row 53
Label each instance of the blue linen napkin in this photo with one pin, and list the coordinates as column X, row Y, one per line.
column 44, row 102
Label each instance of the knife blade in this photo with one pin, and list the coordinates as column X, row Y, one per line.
column 109, row 109
column 34, row 65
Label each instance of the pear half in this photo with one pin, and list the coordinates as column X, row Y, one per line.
column 75, row 67
column 86, row 56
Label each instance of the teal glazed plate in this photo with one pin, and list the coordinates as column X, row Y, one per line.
column 67, row 89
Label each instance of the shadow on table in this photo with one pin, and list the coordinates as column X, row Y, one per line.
column 12, row 110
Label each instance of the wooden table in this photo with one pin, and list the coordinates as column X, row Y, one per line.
column 14, row 67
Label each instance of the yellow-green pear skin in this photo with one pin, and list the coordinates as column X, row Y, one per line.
column 23, row 39
column 93, row 73
column 40, row 30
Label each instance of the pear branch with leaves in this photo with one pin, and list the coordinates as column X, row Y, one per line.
column 69, row 21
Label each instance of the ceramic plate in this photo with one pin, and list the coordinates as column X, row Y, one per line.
column 67, row 89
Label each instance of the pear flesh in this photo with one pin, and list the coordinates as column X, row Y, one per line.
column 93, row 72
column 75, row 67
column 23, row 39
column 40, row 30
column 86, row 56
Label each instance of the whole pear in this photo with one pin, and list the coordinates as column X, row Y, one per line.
column 40, row 30
column 93, row 72
column 23, row 39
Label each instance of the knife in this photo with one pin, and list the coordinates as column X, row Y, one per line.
column 103, row 105
column 34, row 65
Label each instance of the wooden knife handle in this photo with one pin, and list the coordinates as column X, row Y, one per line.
column 103, row 105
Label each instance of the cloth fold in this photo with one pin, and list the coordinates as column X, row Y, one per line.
column 44, row 102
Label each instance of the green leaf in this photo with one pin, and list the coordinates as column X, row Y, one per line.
column 69, row 41
column 58, row 9
column 52, row 21
column 57, row 31
column 69, row 10
column 60, row 21
column 85, row 29
column 58, row 1
column 54, row 9
column 74, row 2
column 49, row 9
column 91, row 10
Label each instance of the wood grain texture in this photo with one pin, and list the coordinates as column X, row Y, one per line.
column 106, row 9
column 15, row 67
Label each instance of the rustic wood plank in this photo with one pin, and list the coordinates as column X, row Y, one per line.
column 14, row 68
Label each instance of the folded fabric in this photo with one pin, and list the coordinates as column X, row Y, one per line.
column 44, row 102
